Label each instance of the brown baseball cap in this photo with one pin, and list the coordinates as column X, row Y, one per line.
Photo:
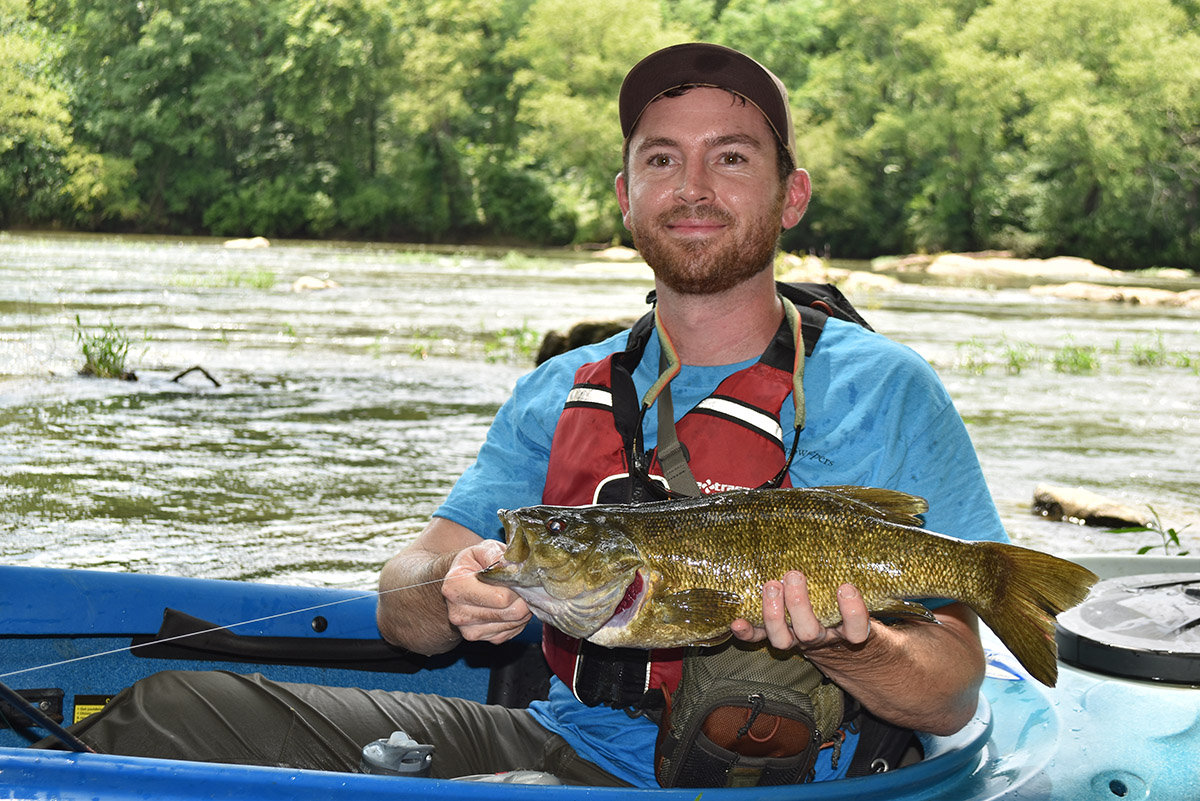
column 704, row 64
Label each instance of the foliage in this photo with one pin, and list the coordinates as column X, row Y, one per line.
column 517, row 345
column 1039, row 126
column 1072, row 358
column 573, row 57
column 1043, row 127
column 104, row 352
column 1170, row 537
column 250, row 277
column 977, row 355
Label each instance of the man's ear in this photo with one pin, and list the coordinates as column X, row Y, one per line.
column 797, row 195
column 621, row 185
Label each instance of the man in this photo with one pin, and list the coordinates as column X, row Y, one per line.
column 709, row 182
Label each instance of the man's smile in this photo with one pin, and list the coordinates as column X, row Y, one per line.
column 698, row 222
column 693, row 227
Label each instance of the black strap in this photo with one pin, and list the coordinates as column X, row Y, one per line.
column 45, row 721
column 825, row 298
column 881, row 746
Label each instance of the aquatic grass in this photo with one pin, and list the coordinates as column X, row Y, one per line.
column 515, row 260
column 1151, row 355
column 1018, row 355
column 104, row 351
column 249, row 278
column 973, row 356
column 1170, row 537
column 976, row 356
column 420, row 349
column 287, row 333
column 518, row 344
column 1076, row 359
column 425, row 343
column 512, row 344
column 1186, row 361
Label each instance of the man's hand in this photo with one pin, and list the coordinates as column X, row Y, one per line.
column 482, row 611
column 789, row 598
column 920, row 674
column 430, row 600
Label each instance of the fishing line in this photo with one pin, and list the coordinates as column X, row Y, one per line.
column 130, row 648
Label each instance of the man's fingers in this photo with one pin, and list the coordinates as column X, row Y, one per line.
column 807, row 628
column 775, row 622
column 482, row 611
column 856, row 620
column 789, row 620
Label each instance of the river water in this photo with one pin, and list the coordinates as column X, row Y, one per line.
column 343, row 415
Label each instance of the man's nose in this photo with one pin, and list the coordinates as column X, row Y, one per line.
column 695, row 184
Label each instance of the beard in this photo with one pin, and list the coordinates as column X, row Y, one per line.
column 698, row 267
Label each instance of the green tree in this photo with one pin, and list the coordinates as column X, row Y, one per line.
column 855, row 118
column 332, row 73
column 176, row 89
column 31, row 107
column 33, row 116
column 1043, row 126
column 575, row 54
column 45, row 176
column 1107, row 116
column 445, row 48
column 783, row 36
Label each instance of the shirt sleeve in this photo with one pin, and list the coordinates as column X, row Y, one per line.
column 510, row 470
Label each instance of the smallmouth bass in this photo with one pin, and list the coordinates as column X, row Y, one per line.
column 675, row 573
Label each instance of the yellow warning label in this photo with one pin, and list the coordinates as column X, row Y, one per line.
column 89, row 705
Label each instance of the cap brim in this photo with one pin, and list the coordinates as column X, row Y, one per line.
column 704, row 64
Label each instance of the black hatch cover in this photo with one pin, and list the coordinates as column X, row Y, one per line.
column 1142, row 627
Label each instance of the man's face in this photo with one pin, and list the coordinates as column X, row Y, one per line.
column 702, row 195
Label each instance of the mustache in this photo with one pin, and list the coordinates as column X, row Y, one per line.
column 706, row 213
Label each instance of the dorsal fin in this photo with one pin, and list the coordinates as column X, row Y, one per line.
column 891, row 505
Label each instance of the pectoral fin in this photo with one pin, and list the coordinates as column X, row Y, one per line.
column 699, row 616
column 699, row 606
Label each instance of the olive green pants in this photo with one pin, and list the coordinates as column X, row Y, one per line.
column 250, row 720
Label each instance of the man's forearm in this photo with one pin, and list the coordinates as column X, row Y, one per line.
column 918, row 675
column 412, row 611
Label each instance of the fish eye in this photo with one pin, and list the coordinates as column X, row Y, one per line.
column 556, row 525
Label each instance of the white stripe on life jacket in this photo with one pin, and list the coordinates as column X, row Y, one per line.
column 751, row 418
column 594, row 396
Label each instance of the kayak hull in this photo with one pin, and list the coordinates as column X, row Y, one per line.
column 91, row 633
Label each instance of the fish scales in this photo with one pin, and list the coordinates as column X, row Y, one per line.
column 679, row 572
column 735, row 548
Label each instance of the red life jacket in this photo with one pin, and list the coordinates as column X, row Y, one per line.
column 733, row 438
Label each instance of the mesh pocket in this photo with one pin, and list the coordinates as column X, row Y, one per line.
column 743, row 716
column 741, row 741
column 753, row 732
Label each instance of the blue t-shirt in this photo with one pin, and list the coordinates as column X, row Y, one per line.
column 876, row 415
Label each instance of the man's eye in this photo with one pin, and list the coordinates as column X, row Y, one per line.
column 660, row 160
column 732, row 158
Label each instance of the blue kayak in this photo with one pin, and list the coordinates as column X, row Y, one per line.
column 1123, row 722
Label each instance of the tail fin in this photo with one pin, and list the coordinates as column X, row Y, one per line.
column 1031, row 588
